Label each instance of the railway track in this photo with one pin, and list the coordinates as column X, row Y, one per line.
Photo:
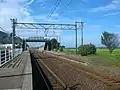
column 113, row 83
column 56, row 83
column 110, row 78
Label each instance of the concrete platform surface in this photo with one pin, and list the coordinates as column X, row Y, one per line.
column 27, row 82
column 15, row 78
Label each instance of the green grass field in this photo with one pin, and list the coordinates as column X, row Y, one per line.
column 70, row 51
column 105, row 53
column 102, row 56
column 100, row 52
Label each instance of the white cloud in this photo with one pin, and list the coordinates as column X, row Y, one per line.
column 54, row 15
column 42, row 3
column 114, row 5
column 56, row 19
column 20, row 9
column 13, row 9
column 112, row 14
column 17, row 9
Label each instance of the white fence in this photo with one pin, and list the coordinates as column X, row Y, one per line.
column 6, row 55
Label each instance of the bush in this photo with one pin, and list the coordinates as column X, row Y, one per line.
column 55, row 50
column 117, row 57
column 87, row 49
column 61, row 49
column 92, row 49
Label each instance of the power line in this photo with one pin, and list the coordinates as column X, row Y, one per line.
column 61, row 13
column 52, row 11
column 3, row 29
column 54, row 8
column 66, row 7
column 56, row 5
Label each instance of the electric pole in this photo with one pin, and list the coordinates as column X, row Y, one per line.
column 77, row 26
column 14, row 21
column 82, row 32
column 76, row 35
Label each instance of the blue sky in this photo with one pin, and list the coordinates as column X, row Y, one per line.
column 98, row 15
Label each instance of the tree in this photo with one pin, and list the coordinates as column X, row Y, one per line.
column 63, row 46
column 110, row 40
column 61, row 49
column 45, row 47
column 49, row 46
column 54, row 44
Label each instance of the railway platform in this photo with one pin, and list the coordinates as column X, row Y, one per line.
column 17, row 75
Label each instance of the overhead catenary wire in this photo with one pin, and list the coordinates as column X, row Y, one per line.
column 66, row 7
column 63, row 11
column 52, row 11
column 4, row 30
column 54, row 8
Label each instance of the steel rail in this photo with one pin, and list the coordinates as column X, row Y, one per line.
column 51, row 72
column 36, row 62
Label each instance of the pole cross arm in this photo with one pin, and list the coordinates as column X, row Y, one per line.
column 45, row 26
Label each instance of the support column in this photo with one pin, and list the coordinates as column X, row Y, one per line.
column 24, row 45
column 9, row 55
column 5, row 56
column 0, row 58
column 76, row 36
column 82, row 33
column 13, row 37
